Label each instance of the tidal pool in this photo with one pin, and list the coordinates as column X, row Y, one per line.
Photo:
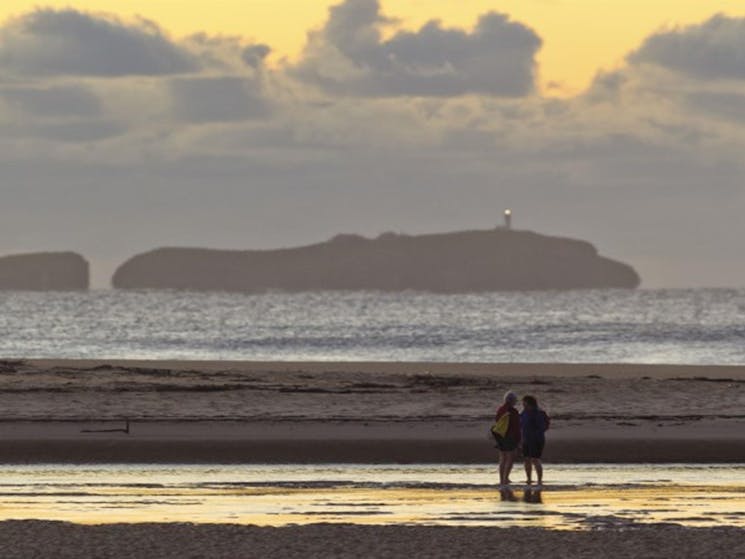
column 573, row 497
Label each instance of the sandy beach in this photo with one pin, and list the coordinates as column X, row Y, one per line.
column 39, row 539
column 75, row 411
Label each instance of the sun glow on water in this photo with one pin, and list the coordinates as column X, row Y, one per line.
column 577, row 497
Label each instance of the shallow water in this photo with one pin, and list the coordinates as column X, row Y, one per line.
column 574, row 497
column 695, row 326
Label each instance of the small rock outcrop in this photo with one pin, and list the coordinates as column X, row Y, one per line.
column 467, row 261
column 44, row 271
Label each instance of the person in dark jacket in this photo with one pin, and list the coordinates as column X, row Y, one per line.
column 534, row 423
column 508, row 444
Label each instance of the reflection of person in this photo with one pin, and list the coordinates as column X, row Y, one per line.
column 534, row 423
column 511, row 440
column 507, row 494
column 533, row 496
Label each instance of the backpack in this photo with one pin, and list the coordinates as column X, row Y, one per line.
column 499, row 429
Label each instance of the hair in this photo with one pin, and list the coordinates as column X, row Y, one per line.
column 530, row 401
column 510, row 397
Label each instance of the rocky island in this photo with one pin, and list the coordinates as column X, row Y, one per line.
column 467, row 261
column 44, row 271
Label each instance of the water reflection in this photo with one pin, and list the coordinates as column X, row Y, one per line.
column 445, row 494
column 533, row 495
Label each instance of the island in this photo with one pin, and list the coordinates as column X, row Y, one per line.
column 458, row 262
column 44, row 271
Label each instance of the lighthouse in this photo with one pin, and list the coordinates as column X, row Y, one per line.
column 508, row 219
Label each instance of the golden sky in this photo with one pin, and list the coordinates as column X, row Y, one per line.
column 580, row 36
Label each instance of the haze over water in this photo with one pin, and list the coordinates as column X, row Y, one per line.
column 701, row 326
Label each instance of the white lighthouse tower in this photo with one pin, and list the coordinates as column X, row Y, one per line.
column 508, row 219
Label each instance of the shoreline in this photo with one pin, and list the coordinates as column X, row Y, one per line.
column 605, row 370
column 324, row 412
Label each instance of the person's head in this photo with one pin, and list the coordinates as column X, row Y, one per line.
column 510, row 398
column 530, row 402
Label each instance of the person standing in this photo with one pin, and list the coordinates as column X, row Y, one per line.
column 534, row 423
column 509, row 443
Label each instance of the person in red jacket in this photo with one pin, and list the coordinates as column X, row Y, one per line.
column 508, row 444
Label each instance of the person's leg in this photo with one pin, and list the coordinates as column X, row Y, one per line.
column 538, row 470
column 529, row 469
column 509, row 459
column 501, row 467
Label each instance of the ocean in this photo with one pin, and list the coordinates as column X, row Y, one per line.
column 697, row 326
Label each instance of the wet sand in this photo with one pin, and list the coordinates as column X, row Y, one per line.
column 200, row 412
column 22, row 539
column 324, row 442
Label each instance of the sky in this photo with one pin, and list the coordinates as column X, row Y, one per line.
column 130, row 125
column 581, row 36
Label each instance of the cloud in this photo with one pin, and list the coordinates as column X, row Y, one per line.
column 684, row 86
column 728, row 106
column 714, row 49
column 77, row 131
column 53, row 100
column 349, row 56
column 606, row 86
column 64, row 113
column 49, row 42
column 77, row 77
column 226, row 53
column 254, row 55
column 217, row 99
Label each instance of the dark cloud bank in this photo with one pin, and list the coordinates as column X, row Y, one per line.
column 349, row 56
column 714, row 49
column 50, row 42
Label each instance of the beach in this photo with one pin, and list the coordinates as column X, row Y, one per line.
column 172, row 414
column 179, row 541
column 316, row 412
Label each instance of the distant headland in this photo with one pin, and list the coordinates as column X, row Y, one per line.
column 498, row 259
column 44, row 271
